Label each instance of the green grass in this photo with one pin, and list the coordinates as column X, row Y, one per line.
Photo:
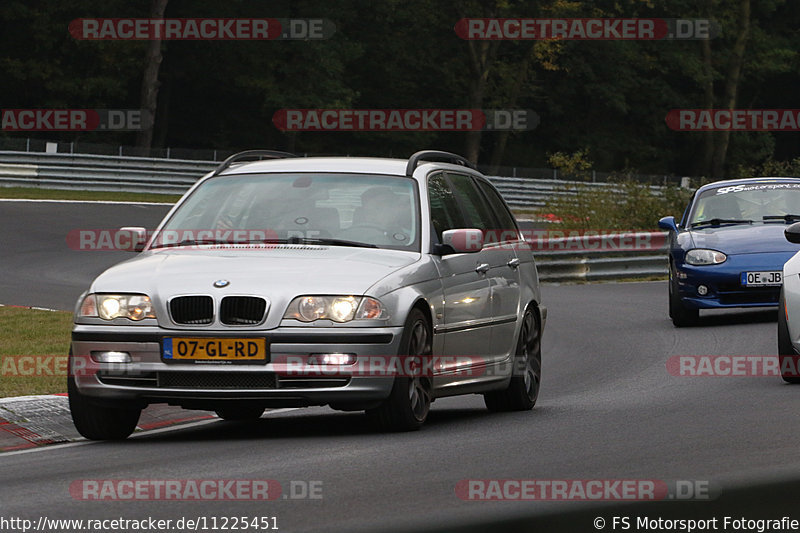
column 29, row 332
column 29, row 193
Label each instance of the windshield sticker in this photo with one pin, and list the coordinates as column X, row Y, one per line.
column 759, row 187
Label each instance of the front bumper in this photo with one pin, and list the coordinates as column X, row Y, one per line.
column 724, row 282
column 278, row 383
column 791, row 294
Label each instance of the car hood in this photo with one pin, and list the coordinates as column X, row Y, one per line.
column 282, row 268
column 277, row 273
column 743, row 239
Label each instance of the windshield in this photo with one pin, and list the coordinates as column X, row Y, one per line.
column 336, row 209
column 757, row 202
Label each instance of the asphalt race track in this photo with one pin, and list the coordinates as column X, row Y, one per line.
column 39, row 265
column 608, row 409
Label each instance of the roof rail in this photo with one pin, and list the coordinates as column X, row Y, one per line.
column 436, row 155
column 261, row 154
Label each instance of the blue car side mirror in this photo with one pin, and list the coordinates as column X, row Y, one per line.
column 668, row 223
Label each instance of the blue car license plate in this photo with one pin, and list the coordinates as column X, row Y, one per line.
column 762, row 279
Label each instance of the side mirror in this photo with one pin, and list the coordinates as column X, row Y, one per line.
column 131, row 239
column 668, row 223
column 461, row 241
column 792, row 233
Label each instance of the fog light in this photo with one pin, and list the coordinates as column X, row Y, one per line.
column 702, row 290
column 332, row 359
column 111, row 357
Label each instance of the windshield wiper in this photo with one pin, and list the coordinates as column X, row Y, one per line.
column 194, row 242
column 335, row 242
column 719, row 221
column 315, row 240
column 787, row 218
column 290, row 240
column 188, row 242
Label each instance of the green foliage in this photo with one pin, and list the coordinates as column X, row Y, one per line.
column 573, row 166
column 772, row 168
column 620, row 205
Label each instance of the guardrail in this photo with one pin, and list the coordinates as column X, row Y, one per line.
column 601, row 257
column 100, row 173
column 174, row 176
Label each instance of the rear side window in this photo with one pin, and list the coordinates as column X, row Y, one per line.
column 445, row 214
column 476, row 209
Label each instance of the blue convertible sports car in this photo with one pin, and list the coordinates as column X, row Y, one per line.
column 729, row 249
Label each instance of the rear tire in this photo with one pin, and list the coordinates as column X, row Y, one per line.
column 407, row 406
column 787, row 355
column 523, row 390
column 681, row 316
column 98, row 421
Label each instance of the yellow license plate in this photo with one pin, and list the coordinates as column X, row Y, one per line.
column 210, row 349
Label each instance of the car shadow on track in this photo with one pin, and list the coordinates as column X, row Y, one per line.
column 316, row 425
column 736, row 317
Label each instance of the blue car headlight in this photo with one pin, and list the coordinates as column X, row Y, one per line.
column 702, row 256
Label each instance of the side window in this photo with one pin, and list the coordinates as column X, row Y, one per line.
column 507, row 231
column 477, row 211
column 445, row 214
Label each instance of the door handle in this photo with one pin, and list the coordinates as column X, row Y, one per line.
column 513, row 263
column 482, row 268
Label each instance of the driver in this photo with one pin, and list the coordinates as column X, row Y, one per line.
column 385, row 210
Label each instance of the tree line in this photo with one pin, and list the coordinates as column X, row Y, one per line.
column 605, row 99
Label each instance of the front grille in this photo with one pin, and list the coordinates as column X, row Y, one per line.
column 242, row 310
column 192, row 310
column 769, row 296
column 216, row 380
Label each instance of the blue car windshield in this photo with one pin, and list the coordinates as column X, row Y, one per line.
column 752, row 202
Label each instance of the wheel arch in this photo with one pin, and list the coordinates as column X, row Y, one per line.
column 537, row 312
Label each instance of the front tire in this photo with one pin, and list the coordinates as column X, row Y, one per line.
column 409, row 403
column 523, row 390
column 787, row 355
column 97, row 421
column 681, row 315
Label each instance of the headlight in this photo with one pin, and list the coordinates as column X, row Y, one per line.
column 336, row 308
column 701, row 256
column 111, row 306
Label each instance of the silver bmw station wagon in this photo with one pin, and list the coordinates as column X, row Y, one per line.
column 278, row 281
